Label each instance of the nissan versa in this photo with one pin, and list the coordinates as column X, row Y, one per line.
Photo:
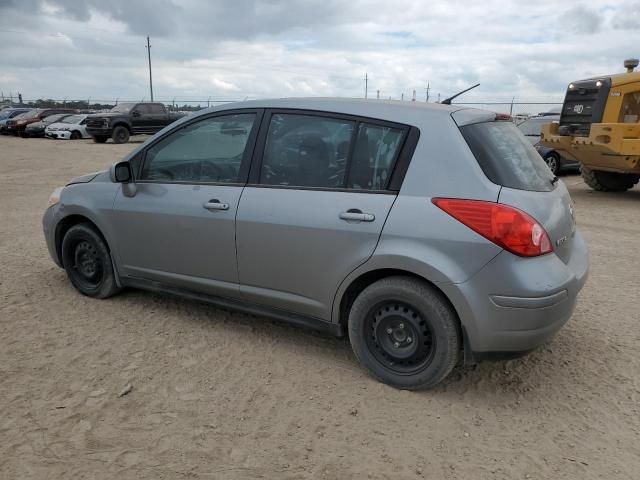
column 433, row 235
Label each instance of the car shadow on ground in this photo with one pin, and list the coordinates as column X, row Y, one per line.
column 511, row 379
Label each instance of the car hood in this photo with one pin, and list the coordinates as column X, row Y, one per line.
column 106, row 115
column 86, row 178
column 38, row 124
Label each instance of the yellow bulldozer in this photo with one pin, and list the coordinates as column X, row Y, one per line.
column 600, row 128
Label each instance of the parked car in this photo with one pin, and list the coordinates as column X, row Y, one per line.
column 432, row 234
column 126, row 119
column 18, row 124
column 7, row 114
column 72, row 127
column 531, row 129
column 36, row 129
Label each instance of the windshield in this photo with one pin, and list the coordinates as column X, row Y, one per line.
column 29, row 114
column 54, row 118
column 506, row 157
column 123, row 107
column 73, row 119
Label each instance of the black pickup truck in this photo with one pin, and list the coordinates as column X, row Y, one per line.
column 126, row 119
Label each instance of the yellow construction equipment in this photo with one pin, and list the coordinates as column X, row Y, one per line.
column 599, row 127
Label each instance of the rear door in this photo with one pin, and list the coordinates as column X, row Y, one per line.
column 178, row 226
column 315, row 207
column 158, row 117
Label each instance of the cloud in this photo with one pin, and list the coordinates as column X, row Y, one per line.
column 260, row 48
column 581, row 20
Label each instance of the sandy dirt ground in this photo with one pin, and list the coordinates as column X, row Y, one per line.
column 218, row 394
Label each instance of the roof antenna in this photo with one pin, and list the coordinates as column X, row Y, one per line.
column 447, row 101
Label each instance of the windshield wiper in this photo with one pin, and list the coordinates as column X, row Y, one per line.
column 554, row 180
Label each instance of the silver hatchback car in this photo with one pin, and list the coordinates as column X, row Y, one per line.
column 433, row 235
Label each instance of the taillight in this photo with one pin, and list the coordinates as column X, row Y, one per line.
column 506, row 226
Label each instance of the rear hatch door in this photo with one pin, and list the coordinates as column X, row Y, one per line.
column 509, row 160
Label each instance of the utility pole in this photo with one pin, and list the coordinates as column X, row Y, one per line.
column 402, row 96
column 378, row 94
column 366, row 84
column 413, row 99
column 149, row 56
column 511, row 109
column 428, row 88
column 438, row 97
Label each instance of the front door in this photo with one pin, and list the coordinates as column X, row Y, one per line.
column 179, row 226
column 314, row 208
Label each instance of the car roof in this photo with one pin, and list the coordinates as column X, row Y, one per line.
column 391, row 110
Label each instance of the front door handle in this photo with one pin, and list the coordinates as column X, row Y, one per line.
column 215, row 205
column 356, row 215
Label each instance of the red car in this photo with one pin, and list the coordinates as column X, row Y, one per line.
column 18, row 124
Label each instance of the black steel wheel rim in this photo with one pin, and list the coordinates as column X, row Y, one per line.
column 399, row 337
column 87, row 265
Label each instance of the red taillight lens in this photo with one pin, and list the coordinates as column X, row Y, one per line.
column 506, row 226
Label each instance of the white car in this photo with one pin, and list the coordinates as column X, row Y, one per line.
column 72, row 127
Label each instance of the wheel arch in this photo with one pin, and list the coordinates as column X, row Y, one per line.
column 355, row 284
column 69, row 221
column 122, row 123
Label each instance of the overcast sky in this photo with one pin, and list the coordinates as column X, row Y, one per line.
column 250, row 48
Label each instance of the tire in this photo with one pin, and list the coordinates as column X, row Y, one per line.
column 87, row 261
column 120, row 134
column 405, row 333
column 100, row 139
column 608, row 181
column 76, row 135
column 553, row 162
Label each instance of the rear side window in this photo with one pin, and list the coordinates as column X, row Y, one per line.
column 506, row 157
column 374, row 157
column 306, row 151
column 318, row 151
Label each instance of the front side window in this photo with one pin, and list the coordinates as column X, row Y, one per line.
column 306, row 151
column 208, row 151
column 374, row 156
column 156, row 109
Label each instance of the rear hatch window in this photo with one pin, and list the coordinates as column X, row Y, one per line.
column 506, row 157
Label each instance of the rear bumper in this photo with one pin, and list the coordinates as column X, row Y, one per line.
column 514, row 305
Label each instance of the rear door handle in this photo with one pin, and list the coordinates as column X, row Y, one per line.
column 215, row 205
column 356, row 215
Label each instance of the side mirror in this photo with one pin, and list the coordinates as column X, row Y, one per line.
column 121, row 173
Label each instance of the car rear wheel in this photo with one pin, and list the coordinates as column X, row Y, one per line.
column 608, row 181
column 553, row 162
column 405, row 333
column 87, row 261
column 76, row 135
column 120, row 134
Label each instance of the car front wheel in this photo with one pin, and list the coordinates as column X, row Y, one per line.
column 87, row 261
column 405, row 333
column 120, row 134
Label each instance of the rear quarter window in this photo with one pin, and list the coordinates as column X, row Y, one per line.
column 506, row 157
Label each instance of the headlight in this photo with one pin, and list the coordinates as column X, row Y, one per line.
column 598, row 83
column 571, row 86
column 66, row 129
column 54, row 198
